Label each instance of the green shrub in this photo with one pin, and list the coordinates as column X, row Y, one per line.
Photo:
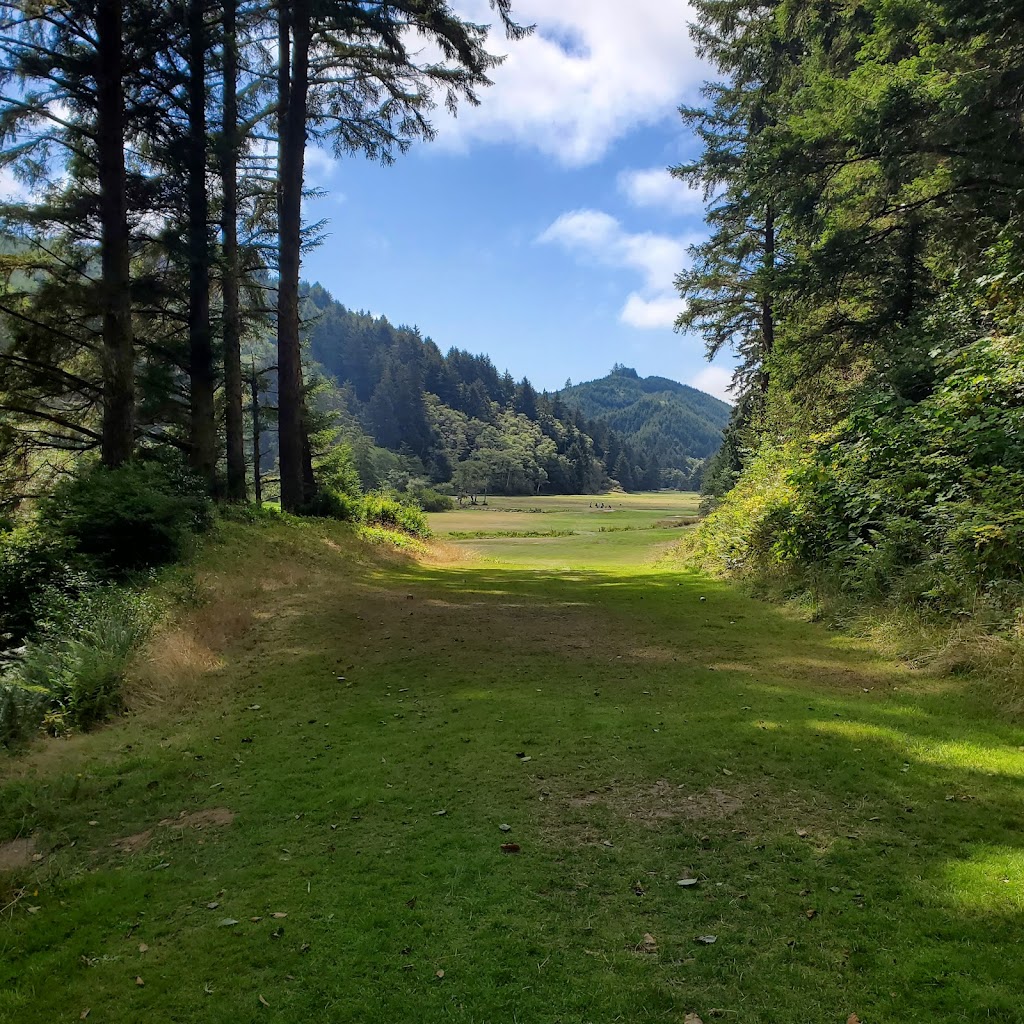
column 748, row 533
column 71, row 675
column 916, row 503
column 431, row 500
column 378, row 508
column 383, row 509
column 136, row 517
column 337, row 472
column 30, row 562
column 22, row 710
column 329, row 504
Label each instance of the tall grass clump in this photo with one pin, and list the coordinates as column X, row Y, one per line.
column 70, row 674
column 71, row 611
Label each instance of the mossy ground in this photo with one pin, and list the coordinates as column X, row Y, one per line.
column 854, row 826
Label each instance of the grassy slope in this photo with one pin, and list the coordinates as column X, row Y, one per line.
column 788, row 769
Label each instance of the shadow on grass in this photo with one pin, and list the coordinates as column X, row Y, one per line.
column 855, row 825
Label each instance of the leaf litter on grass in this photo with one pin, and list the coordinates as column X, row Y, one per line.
column 790, row 780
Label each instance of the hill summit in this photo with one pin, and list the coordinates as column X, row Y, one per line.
column 675, row 422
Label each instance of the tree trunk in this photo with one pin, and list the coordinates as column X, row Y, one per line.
column 118, row 429
column 767, row 296
column 231, row 271
column 293, row 85
column 203, row 436
column 254, row 382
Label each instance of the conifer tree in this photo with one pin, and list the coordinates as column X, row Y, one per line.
column 67, row 72
column 346, row 74
column 730, row 288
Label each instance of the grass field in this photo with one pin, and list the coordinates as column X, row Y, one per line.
column 303, row 819
column 576, row 512
column 567, row 531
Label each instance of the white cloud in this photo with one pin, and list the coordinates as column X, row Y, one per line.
column 661, row 311
column 592, row 71
column 715, row 380
column 656, row 187
column 319, row 166
column 600, row 238
column 10, row 187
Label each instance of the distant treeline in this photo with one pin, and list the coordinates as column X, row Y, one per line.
column 455, row 419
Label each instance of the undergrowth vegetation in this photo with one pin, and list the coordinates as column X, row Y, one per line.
column 905, row 511
column 70, row 675
column 865, row 261
column 75, row 578
column 73, row 602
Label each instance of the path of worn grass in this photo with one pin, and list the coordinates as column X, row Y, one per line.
column 855, row 828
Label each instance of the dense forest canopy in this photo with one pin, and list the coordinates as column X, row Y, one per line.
column 457, row 420
column 862, row 164
column 158, row 242
column 679, row 425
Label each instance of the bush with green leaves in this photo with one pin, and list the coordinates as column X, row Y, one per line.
column 911, row 501
column 31, row 561
column 139, row 516
column 337, row 472
column 22, row 709
column 383, row 509
column 330, row 504
column 431, row 500
column 70, row 675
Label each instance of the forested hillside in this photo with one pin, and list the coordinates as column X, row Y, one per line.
column 866, row 259
column 680, row 425
column 454, row 419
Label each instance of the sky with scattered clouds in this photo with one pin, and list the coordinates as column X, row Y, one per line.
column 541, row 227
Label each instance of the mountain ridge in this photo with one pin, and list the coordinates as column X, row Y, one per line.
column 677, row 423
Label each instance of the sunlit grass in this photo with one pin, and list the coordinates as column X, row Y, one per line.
column 853, row 825
column 578, row 513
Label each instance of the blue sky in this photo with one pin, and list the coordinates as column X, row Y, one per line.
column 541, row 227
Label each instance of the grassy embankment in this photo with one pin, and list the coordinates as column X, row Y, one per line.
column 853, row 826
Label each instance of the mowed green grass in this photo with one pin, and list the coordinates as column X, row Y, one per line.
column 584, row 513
column 618, row 531
column 622, row 550
column 854, row 826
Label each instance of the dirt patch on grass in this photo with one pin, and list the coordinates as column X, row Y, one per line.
column 210, row 817
column 17, row 854
column 661, row 802
column 132, row 844
column 755, row 811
